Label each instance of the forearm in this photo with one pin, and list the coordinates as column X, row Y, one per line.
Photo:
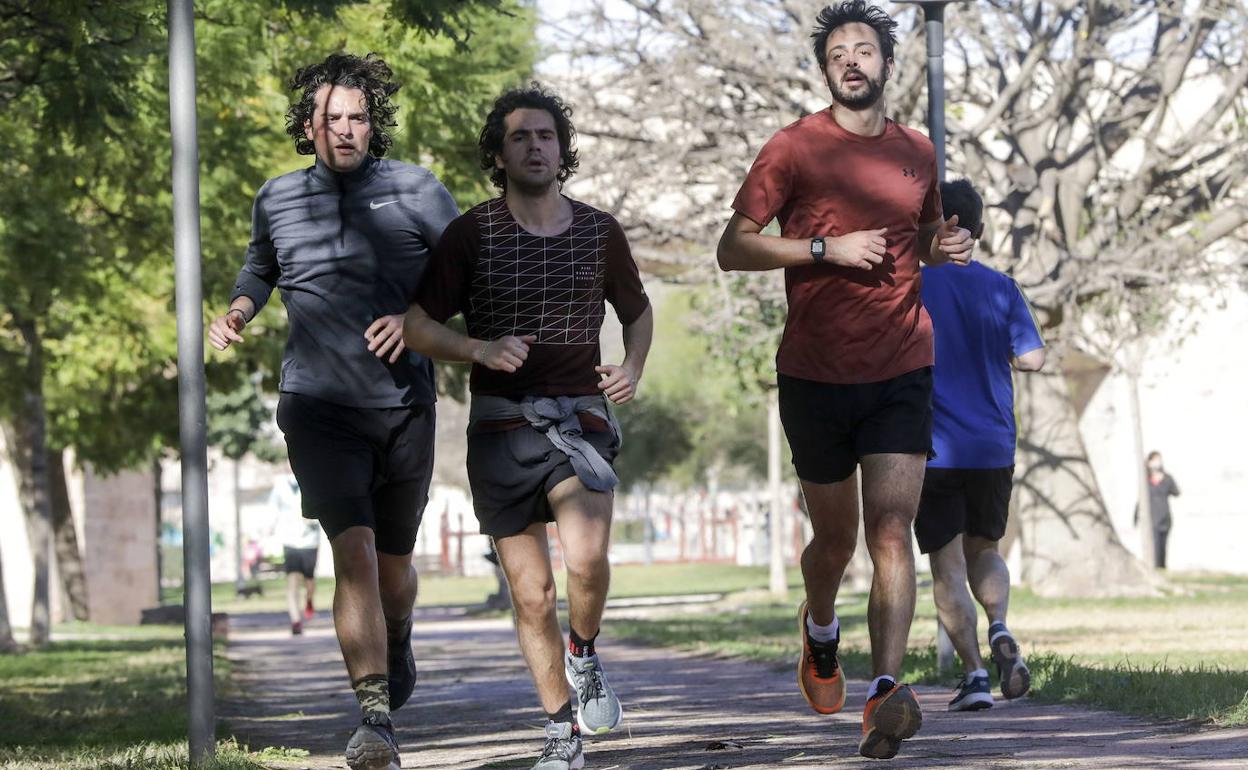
column 928, row 247
column 756, row 251
column 637, row 338
column 428, row 337
column 243, row 304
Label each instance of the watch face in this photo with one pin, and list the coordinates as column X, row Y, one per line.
column 816, row 247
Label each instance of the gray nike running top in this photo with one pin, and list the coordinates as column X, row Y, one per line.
column 344, row 250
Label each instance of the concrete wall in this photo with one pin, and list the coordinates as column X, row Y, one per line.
column 1195, row 412
column 119, row 545
column 115, row 519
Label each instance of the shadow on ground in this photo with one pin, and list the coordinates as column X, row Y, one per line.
column 474, row 707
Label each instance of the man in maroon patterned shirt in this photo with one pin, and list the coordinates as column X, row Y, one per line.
column 530, row 271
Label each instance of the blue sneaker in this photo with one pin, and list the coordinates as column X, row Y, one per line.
column 972, row 694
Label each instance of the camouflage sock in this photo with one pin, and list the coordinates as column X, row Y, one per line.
column 373, row 693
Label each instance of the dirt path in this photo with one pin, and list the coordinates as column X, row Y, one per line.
column 474, row 707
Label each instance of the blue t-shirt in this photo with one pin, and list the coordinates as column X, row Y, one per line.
column 981, row 320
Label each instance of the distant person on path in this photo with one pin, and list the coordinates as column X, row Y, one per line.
column 531, row 271
column 983, row 325
column 856, row 198
column 1161, row 487
column 346, row 241
column 301, row 539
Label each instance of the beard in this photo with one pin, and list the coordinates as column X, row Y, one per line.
column 861, row 100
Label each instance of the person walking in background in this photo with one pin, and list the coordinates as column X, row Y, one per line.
column 346, row 241
column 1161, row 487
column 983, row 326
column 300, row 539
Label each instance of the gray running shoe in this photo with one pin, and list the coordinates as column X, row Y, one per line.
column 562, row 750
column 372, row 746
column 598, row 711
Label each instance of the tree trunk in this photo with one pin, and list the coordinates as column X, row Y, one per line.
column 158, row 491
column 7, row 642
column 30, row 454
column 778, row 581
column 239, row 581
column 68, row 555
column 1069, row 545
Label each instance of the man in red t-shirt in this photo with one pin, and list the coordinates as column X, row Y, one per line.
column 530, row 272
column 858, row 204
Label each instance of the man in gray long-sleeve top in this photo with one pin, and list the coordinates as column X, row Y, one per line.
column 346, row 242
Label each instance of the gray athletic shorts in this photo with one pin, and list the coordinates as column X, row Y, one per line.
column 512, row 471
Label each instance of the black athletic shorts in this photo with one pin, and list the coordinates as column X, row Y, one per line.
column 832, row 427
column 300, row 560
column 955, row 501
column 512, row 471
column 361, row 467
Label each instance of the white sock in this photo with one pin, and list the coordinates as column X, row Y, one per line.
column 977, row 673
column 829, row 633
column 875, row 685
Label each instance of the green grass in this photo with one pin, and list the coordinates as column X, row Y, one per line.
column 103, row 704
column 148, row 756
column 1179, row 656
column 627, row 581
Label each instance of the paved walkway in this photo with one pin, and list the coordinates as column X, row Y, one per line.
column 474, row 707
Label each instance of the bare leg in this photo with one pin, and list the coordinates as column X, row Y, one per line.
column 954, row 604
column 584, row 519
column 397, row 586
column 309, row 589
column 891, row 484
column 988, row 575
column 525, row 558
column 292, row 596
column 833, row 512
column 357, row 604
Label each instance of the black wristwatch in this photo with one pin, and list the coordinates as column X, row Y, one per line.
column 818, row 251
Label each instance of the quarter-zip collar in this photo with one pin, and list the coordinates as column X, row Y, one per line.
column 331, row 178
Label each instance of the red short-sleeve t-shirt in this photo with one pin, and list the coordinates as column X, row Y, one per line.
column 847, row 325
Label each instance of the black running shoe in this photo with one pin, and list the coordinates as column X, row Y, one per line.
column 401, row 666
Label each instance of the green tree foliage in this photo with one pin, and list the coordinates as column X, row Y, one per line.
column 693, row 418
column 87, row 334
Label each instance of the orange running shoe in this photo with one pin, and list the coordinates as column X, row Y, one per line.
column 819, row 672
column 890, row 717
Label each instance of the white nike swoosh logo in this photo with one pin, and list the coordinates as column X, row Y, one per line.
column 374, row 205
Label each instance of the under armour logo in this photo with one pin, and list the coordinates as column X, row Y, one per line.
column 907, row 171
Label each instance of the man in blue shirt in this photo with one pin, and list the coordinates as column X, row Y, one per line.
column 983, row 326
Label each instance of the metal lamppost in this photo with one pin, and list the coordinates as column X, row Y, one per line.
column 934, row 21
column 192, row 411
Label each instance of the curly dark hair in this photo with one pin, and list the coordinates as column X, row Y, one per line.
column 848, row 12
column 534, row 97
column 370, row 74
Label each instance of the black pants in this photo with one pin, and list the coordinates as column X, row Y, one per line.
column 1159, row 547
